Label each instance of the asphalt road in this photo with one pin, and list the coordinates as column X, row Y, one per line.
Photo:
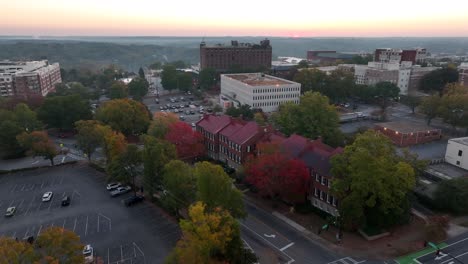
column 278, row 242
column 455, row 253
column 119, row 234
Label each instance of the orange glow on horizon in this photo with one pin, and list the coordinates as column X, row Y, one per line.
column 361, row 18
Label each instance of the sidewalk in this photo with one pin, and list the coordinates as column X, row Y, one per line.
column 402, row 240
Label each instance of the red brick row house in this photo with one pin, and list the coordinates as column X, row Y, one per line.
column 232, row 140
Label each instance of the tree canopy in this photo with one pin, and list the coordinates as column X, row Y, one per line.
column 188, row 143
column 37, row 143
column 118, row 90
column 372, row 182
column 313, row 117
column 243, row 111
column 159, row 127
column 451, row 195
column 127, row 116
column 179, row 181
column 63, row 111
column 138, row 88
column 215, row 189
column 207, row 78
column 436, row 81
column 89, row 136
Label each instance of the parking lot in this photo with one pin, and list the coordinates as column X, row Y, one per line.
column 138, row 234
column 166, row 100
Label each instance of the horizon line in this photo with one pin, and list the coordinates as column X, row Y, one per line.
column 224, row 36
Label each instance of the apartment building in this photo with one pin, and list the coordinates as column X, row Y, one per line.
column 28, row 78
column 463, row 74
column 457, row 152
column 223, row 58
column 388, row 55
column 258, row 90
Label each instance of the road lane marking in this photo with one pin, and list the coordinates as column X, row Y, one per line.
column 268, row 242
column 452, row 258
column 86, row 229
column 287, row 246
column 454, row 243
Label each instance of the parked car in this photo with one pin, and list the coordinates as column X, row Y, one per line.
column 47, row 196
column 133, row 200
column 120, row 190
column 193, row 124
column 113, row 185
column 187, row 112
column 182, row 117
column 88, row 253
column 66, row 201
column 192, row 112
column 157, row 101
column 10, row 211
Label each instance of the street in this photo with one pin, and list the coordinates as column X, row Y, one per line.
column 456, row 252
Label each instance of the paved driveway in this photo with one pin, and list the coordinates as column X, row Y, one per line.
column 119, row 234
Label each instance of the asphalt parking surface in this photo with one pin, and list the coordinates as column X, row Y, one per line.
column 138, row 234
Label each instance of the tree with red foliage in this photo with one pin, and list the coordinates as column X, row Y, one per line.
column 189, row 143
column 276, row 175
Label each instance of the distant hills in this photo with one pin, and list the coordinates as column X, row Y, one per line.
column 131, row 52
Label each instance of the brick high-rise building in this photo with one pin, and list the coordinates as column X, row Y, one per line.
column 242, row 55
column 416, row 56
column 28, row 78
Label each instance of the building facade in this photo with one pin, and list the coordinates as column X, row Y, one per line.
column 404, row 134
column 463, row 74
column 416, row 75
column 457, row 152
column 387, row 55
column 28, row 78
column 241, row 55
column 258, row 90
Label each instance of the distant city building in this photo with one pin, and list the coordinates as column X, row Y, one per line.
column 322, row 56
column 457, row 152
column 463, row 74
column 404, row 134
column 28, row 78
column 258, row 90
column 403, row 74
column 416, row 56
column 241, row 55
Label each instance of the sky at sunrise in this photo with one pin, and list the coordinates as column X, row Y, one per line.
column 297, row 18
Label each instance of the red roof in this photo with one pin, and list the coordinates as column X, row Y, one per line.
column 214, row 123
column 294, row 145
column 232, row 128
column 245, row 133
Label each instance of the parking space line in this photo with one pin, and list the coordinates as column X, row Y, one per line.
column 39, row 231
column 86, row 230
column 22, row 188
column 50, row 203
column 61, row 179
column 98, row 217
column 139, row 249
column 108, row 257
column 19, row 205
column 64, row 221
column 14, row 235
column 42, row 184
column 11, row 203
column 74, row 226
column 52, row 225
column 29, row 206
column 121, row 253
column 108, row 219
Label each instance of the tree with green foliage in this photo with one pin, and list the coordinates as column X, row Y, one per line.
column 38, row 144
column 179, row 64
column 451, row 195
column 411, row 101
column 141, row 73
column 372, row 182
column 89, row 136
column 260, row 119
column 180, row 183
column 184, row 81
column 155, row 65
column 453, row 108
column 210, row 236
column 14, row 251
column 384, row 94
column 156, row 154
column 63, row 111
column 303, row 64
column 138, row 88
column 125, row 167
column 169, row 77
column 216, row 189
column 127, row 116
column 362, row 60
column 243, row 111
column 160, row 124
column 74, row 88
column 430, row 106
column 118, row 90
column 207, row 78
column 313, row 117
column 436, row 81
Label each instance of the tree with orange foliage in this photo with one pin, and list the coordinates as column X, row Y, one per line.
column 38, row 144
column 58, row 245
column 189, row 143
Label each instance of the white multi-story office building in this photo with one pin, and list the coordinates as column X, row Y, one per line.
column 258, row 90
column 457, row 152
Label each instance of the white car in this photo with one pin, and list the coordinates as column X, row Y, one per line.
column 120, row 190
column 113, row 185
column 47, row 196
column 193, row 124
column 88, row 254
column 10, row 211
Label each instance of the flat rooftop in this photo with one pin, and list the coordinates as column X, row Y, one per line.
column 463, row 140
column 406, row 127
column 258, row 79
